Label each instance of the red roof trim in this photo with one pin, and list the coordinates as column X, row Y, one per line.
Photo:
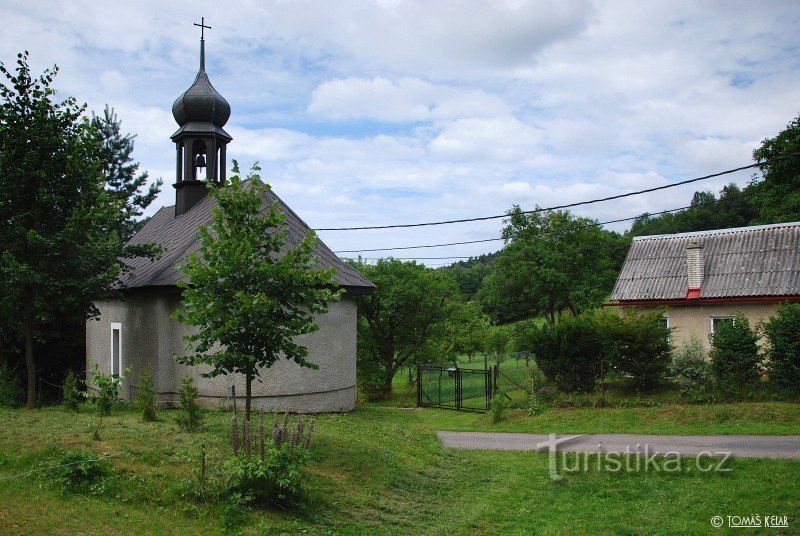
column 705, row 301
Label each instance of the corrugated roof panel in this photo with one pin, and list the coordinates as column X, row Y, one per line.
column 746, row 261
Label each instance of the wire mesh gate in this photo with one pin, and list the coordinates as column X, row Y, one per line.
column 445, row 386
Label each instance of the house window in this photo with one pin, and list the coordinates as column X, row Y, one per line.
column 664, row 321
column 116, row 349
column 717, row 321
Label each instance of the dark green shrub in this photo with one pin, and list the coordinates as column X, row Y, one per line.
column 190, row 417
column 11, row 392
column 146, row 395
column 375, row 391
column 783, row 334
column 372, row 377
column 734, row 355
column 273, row 479
column 569, row 352
column 82, row 472
column 636, row 346
column 692, row 372
column 72, row 395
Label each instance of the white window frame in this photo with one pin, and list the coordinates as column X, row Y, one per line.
column 116, row 326
column 718, row 317
column 669, row 333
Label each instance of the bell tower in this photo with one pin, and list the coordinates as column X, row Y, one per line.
column 200, row 140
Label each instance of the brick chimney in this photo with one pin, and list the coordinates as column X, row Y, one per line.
column 696, row 269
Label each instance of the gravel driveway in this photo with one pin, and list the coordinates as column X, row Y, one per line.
column 742, row 446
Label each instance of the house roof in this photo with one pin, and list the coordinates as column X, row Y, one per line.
column 180, row 236
column 759, row 261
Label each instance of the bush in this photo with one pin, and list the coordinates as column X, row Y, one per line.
column 190, row 417
column 691, row 370
column 265, row 467
column 569, row 352
column 274, row 479
column 11, row 392
column 734, row 355
column 146, row 395
column 108, row 389
column 497, row 408
column 375, row 391
column 636, row 346
column 82, row 472
column 783, row 334
column 72, row 396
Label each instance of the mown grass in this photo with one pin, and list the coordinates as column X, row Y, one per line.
column 747, row 418
column 380, row 470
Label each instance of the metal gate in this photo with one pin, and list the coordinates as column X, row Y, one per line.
column 444, row 386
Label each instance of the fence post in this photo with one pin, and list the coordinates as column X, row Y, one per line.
column 459, row 394
column 487, row 382
column 419, row 388
column 233, row 396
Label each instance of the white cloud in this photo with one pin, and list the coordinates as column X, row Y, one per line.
column 404, row 110
column 497, row 138
column 409, row 100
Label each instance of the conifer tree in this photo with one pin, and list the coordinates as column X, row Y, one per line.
column 59, row 242
column 121, row 173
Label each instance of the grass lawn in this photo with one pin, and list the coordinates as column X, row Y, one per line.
column 380, row 470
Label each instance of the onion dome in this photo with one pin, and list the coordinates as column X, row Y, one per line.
column 201, row 103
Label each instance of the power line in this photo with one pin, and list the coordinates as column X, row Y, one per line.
column 413, row 258
column 556, row 207
column 574, row 227
column 418, row 247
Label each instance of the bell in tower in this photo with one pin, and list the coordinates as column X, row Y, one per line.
column 200, row 140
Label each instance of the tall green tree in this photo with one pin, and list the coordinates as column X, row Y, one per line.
column 409, row 304
column 121, row 172
column 470, row 274
column 247, row 302
column 59, row 245
column 463, row 331
column 733, row 208
column 778, row 194
column 552, row 262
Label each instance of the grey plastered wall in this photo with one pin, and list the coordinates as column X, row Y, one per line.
column 149, row 335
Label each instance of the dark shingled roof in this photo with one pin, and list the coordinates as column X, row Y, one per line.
column 742, row 262
column 180, row 236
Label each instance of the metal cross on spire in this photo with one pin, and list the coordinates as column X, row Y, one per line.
column 202, row 26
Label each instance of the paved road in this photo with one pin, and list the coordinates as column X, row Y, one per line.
column 742, row 446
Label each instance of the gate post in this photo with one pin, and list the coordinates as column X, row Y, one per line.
column 458, row 388
column 419, row 388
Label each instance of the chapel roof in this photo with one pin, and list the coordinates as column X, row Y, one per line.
column 180, row 236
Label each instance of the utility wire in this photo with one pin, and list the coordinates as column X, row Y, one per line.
column 572, row 228
column 556, row 207
column 413, row 258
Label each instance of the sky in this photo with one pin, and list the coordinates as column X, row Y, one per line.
column 393, row 111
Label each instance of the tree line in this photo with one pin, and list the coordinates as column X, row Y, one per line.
column 552, row 264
